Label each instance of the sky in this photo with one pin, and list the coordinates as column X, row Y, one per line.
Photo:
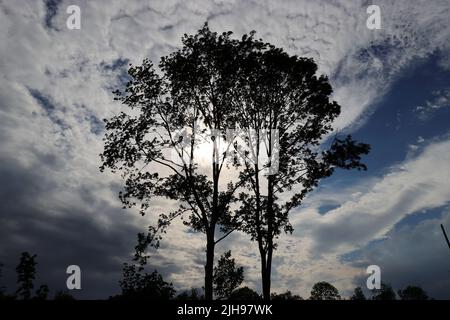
column 393, row 85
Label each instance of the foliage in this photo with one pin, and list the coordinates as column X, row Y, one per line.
column 384, row 293
column 26, row 272
column 244, row 293
column 324, row 291
column 227, row 277
column 140, row 285
column 192, row 295
column 412, row 293
column 192, row 94
column 289, row 108
column 285, row 296
column 358, row 294
column 211, row 85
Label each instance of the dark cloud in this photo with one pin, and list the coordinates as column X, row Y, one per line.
column 115, row 64
column 52, row 202
column 118, row 69
column 96, row 125
column 411, row 255
column 51, row 7
column 49, row 107
column 60, row 237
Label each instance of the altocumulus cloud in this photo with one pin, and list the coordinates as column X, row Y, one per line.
column 55, row 87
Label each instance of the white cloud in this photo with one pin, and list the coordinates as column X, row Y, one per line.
column 441, row 99
column 410, row 187
column 314, row 251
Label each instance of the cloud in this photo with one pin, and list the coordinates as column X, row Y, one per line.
column 413, row 255
column 51, row 7
column 55, row 87
column 410, row 187
column 322, row 245
column 441, row 99
column 63, row 226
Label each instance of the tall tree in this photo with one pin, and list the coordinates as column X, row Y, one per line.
column 26, row 273
column 288, row 108
column 324, row 291
column 210, row 86
column 155, row 144
column 227, row 276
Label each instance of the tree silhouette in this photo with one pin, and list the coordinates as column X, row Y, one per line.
column 136, row 284
column 26, row 273
column 206, row 93
column 1, row 270
column 289, row 109
column 358, row 294
column 384, row 293
column 190, row 295
column 324, row 291
column 189, row 102
column 42, row 292
column 140, row 285
column 227, row 277
column 2, row 288
column 412, row 293
column 63, row 295
column 244, row 293
column 285, row 296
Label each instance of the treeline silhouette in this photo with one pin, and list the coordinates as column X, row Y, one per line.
column 137, row 284
column 26, row 276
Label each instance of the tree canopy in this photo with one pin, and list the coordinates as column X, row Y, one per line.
column 137, row 284
column 26, row 273
column 227, row 277
column 324, row 291
column 412, row 293
column 358, row 294
column 262, row 112
column 244, row 293
column 384, row 293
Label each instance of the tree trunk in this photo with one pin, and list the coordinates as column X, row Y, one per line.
column 266, row 283
column 210, row 231
column 270, row 221
column 268, row 274
column 264, row 276
column 209, row 266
